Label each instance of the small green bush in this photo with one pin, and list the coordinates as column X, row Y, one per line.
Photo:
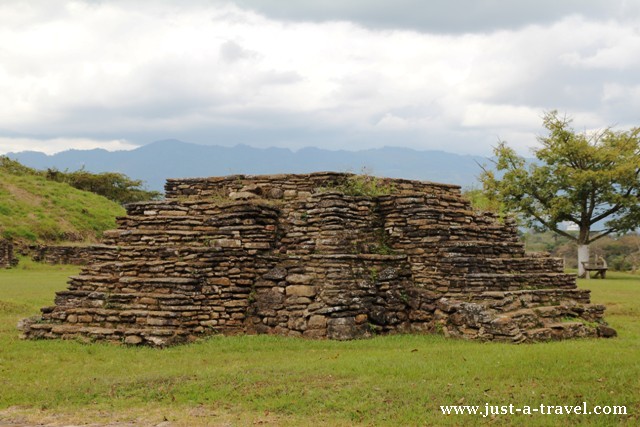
column 364, row 185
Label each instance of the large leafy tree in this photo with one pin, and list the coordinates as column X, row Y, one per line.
column 586, row 178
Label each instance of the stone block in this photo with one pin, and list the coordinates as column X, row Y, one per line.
column 300, row 279
column 317, row 322
column 133, row 340
column 300, row 290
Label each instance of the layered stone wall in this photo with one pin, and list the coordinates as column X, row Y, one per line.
column 7, row 258
column 293, row 255
column 75, row 255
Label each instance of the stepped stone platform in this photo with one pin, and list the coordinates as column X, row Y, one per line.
column 294, row 255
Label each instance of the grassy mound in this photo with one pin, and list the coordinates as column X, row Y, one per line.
column 34, row 209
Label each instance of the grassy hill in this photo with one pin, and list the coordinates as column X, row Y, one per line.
column 34, row 209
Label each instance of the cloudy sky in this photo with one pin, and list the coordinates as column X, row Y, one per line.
column 453, row 75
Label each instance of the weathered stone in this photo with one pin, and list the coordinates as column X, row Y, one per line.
column 252, row 188
column 301, row 290
column 242, row 195
column 275, row 193
column 221, row 281
column 300, row 279
column 361, row 318
column 315, row 333
column 342, row 328
column 317, row 322
column 606, row 331
column 277, row 273
column 228, row 243
column 133, row 340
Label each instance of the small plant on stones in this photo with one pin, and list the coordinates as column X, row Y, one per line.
column 373, row 329
column 108, row 302
column 404, row 297
column 366, row 185
column 383, row 249
column 373, row 274
column 363, row 184
column 252, row 296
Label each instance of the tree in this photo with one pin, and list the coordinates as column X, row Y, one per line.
column 587, row 178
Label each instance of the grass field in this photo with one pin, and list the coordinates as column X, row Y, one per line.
column 264, row 380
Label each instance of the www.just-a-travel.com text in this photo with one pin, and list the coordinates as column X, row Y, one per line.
column 489, row 410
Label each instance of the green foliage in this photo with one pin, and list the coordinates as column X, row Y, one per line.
column 247, row 380
column 480, row 201
column 33, row 208
column 584, row 178
column 112, row 185
column 365, row 185
column 383, row 249
column 622, row 253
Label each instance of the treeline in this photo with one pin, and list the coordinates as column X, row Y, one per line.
column 622, row 253
column 114, row 186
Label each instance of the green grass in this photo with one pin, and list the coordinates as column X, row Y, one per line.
column 245, row 380
column 35, row 209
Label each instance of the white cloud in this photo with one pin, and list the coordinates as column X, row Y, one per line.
column 138, row 71
column 501, row 116
column 56, row 145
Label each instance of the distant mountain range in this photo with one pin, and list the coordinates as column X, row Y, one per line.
column 155, row 162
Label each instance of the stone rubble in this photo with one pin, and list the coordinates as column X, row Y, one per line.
column 292, row 255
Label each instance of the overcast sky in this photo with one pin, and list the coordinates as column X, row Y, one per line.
column 453, row 75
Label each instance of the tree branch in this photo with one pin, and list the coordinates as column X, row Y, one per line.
column 605, row 214
column 550, row 226
column 601, row 235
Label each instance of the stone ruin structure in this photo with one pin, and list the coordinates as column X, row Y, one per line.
column 61, row 254
column 7, row 259
column 294, row 255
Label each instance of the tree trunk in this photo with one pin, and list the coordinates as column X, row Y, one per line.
column 583, row 256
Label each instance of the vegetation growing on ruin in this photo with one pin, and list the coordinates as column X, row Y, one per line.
column 268, row 380
column 481, row 202
column 363, row 185
column 34, row 209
